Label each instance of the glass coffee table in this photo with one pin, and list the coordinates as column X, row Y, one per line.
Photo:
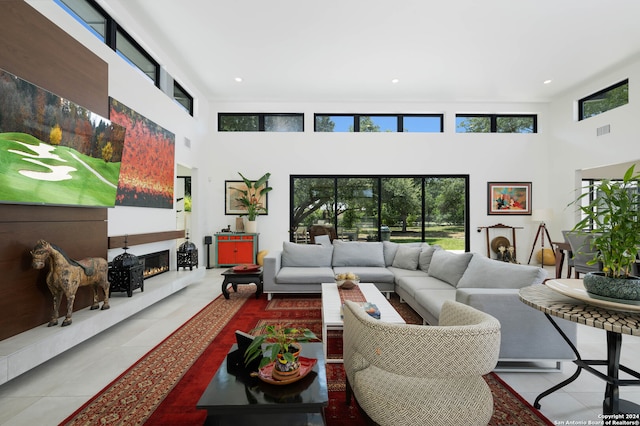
column 233, row 397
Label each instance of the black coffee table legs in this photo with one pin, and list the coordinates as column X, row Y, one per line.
column 239, row 279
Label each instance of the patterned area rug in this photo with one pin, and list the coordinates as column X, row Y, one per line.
column 163, row 387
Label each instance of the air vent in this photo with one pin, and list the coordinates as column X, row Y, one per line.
column 187, row 142
column 603, row 130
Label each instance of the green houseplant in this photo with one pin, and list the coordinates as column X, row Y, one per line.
column 612, row 216
column 280, row 346
column 253, row 194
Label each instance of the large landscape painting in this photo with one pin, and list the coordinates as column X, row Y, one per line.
column 147, row 174
column 53, row 151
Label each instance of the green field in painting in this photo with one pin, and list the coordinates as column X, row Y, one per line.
column 94, row 182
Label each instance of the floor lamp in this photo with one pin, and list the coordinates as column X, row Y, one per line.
column 541, row 215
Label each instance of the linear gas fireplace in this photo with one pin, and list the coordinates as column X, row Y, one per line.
column 155, row 263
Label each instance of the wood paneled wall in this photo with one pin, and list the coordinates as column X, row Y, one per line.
column 35, row 49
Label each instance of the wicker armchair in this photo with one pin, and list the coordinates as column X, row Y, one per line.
column 422, row 375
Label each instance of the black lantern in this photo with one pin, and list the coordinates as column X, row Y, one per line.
column 187, row 255
column 126, row 272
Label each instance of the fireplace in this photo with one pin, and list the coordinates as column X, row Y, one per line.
column 155, row 263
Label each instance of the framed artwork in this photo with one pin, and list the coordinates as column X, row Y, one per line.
column 232, row 190
column 509, row 198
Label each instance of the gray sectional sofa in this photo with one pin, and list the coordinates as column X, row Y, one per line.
column 424, row 277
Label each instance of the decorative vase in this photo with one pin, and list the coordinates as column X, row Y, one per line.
column 251, row 226
column 616, row 288
column 283, row 370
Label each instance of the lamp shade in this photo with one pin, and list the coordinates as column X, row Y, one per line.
column 541, row 215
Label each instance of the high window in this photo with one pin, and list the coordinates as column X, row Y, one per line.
column 496, row 123
column 401, row 209
column 183, row 98
column 604, row 100
column 260, row 122
column 103, row 26
column 431, row 123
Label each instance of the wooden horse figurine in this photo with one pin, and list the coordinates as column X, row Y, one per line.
column 66, row 275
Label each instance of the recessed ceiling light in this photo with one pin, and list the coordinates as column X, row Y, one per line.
column 547, row 81
column 238, row 79
column 395, row 80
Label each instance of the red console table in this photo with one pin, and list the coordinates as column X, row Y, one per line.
column 234, row 248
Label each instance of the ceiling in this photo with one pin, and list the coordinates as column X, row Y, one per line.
column 337, row 50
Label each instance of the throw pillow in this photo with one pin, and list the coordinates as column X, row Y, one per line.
column 389, row 249
column 483, row 272
column 305, row 255
column 323, row 240
column 407, row 258
column 357, row 253
column 425, row 256
column 449, row 267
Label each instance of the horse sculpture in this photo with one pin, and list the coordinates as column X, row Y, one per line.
column 66, row 275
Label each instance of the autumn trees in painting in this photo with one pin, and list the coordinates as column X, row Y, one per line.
column 147, row 171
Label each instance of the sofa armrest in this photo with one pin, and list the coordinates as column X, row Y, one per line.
column 271, row 267
column 526, row 332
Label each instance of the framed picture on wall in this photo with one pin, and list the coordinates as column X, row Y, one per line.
column 232, row 192
column 509, row 198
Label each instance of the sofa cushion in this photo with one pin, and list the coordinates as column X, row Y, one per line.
column 401, row 273
column 323, row 240
column 407, row 257
column 368, row 274
column 389, row 251
column 301, row 275
column 413, row 284
column 483, row 272
column 432, row 300
column 448, row 266
column 424, row 260
column 305, row 255
column 357, row 253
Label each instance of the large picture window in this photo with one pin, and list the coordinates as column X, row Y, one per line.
column 401, row 209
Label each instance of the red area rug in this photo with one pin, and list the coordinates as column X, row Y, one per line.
column 163, row 387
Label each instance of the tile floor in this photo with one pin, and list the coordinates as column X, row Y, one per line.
column 49, row 393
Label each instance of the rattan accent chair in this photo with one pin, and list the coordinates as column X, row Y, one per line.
column 403, row 374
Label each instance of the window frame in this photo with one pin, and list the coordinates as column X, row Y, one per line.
column 261, row 120
column 399, row 117
column 493, row 123
column 593, row 96
column 110, row 37
column 187, row 96
column 380, row 200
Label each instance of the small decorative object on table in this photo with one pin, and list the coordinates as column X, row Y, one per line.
column 246, row 268
column 347, row 280
column 371, row 309
column 281, row 350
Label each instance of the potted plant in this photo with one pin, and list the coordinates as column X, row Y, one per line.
column 281, row 346
column 612, row 217
column 252, row 195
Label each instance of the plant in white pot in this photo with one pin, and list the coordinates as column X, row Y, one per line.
column 612, row 217
column 251, row 198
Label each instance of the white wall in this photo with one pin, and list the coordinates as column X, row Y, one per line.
column 129, row 86
column 485, row 157
column 574, row 145
column 548, row 159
